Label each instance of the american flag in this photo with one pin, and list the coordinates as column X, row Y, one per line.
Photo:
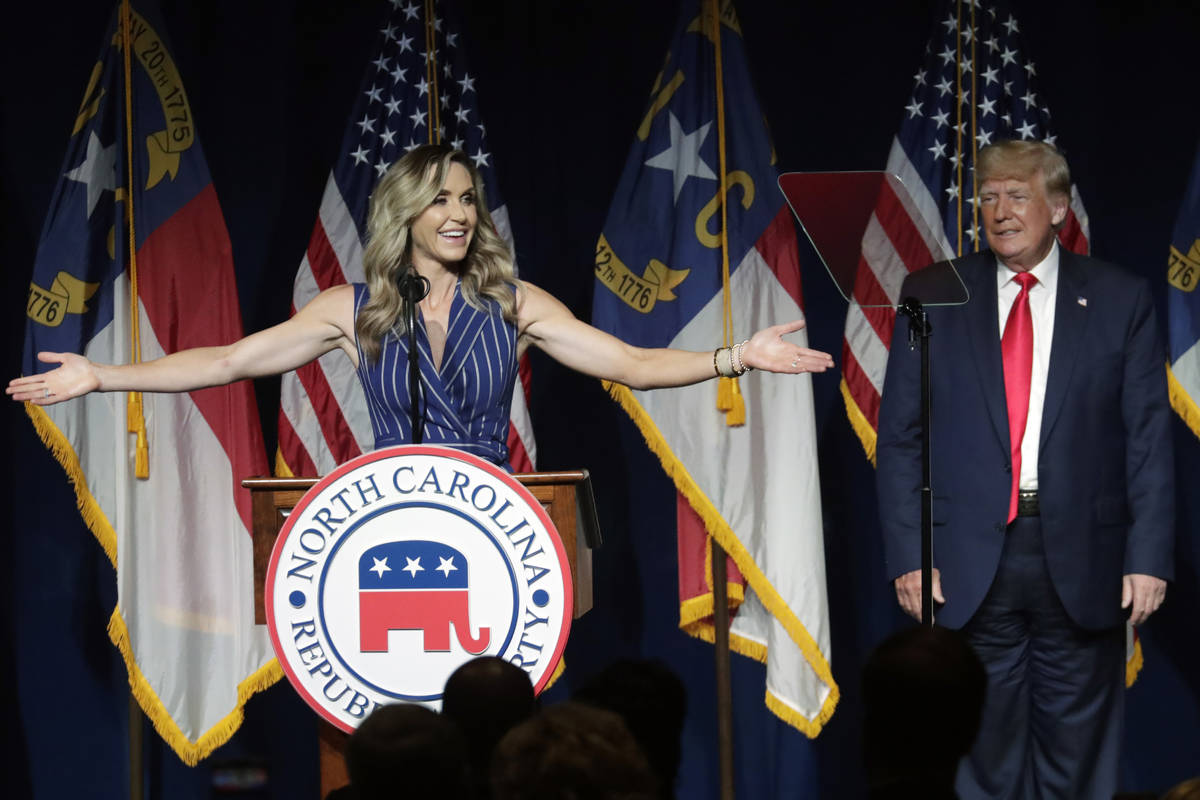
column 975, row 86
column 417, row 89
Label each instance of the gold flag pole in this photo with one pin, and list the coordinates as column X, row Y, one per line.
column 729, row 399
column 431, row 76
column 135, row 419
column 958, row 127
column 974, row 137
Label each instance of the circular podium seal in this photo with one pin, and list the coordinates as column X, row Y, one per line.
column 403, row 564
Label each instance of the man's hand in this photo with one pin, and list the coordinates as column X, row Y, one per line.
column 1142, row 595
column 908, row 591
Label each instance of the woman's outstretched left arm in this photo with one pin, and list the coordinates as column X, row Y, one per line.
column 547, row 323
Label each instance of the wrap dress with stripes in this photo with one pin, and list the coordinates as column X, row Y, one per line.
column 467, row 401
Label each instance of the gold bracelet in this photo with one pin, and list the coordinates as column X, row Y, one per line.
column 723, row 361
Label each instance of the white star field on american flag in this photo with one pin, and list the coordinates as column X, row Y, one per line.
column 413, row 100
column 974, row 88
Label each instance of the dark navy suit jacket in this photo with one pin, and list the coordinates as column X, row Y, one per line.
column 1105, row 463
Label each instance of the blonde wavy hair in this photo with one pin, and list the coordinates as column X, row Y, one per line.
column 409, row 187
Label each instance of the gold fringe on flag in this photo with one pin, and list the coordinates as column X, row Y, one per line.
column 720, row 532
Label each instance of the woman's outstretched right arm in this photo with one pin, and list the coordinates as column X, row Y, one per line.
column 325, row 324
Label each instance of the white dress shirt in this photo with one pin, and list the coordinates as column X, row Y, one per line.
column 1042, row 296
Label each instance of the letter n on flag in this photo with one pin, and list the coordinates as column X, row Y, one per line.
column 417, row 89
column 752, row 487
column 179, row 535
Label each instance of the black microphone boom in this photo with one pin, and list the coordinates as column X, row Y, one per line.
column 413, row 289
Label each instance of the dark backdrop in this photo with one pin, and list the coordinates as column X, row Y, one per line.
column 563, row 86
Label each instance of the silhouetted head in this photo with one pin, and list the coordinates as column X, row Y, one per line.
column 652, row 701
column 487, row 697
column 407, row 751
column 571, row 752
column 923, row 692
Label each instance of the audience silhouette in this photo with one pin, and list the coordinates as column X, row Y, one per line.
column 923, row 692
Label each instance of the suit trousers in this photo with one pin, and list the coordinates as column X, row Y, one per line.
column 1053, row 717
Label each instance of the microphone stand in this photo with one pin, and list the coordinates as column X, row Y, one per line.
column 919, row 330
column 413, row 289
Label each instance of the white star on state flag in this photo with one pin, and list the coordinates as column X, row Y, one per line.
column 412, row 566
column 98, row 170
column 446, row 566
column 682, row 158
column 381, row 566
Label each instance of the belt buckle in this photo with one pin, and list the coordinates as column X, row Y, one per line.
column 1027, row 503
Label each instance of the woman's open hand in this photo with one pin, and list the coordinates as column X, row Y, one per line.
column 75, row 376
column 768, row 350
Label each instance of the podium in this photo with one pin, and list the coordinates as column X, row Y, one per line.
column 566, row 496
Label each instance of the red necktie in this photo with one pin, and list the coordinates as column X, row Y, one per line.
column 1017, row 348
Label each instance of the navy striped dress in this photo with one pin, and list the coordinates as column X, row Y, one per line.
column 467, row 400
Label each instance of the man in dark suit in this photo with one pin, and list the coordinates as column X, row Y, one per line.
column 1053, row 481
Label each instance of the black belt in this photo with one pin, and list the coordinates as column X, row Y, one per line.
column 1027, row 503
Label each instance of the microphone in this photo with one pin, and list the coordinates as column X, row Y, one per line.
column 413, row 289
column 413, row 286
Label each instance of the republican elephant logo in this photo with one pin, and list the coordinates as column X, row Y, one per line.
column 415, row 585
